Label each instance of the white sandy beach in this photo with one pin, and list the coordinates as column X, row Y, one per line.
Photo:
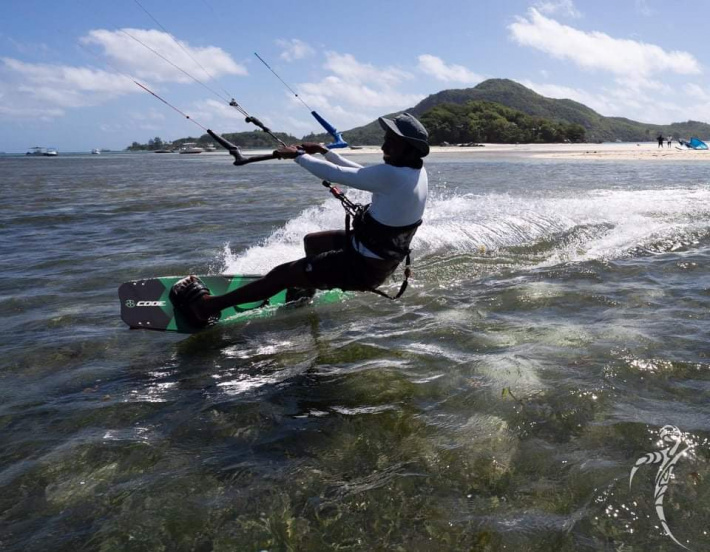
column 625, row 151
column 608, row 151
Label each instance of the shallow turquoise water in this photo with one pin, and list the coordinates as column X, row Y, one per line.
column 558, row 320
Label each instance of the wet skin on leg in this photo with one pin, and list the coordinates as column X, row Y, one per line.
column 313, row 244
column 284, row 276
column 320, row 242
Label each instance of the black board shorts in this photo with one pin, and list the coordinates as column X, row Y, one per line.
column 346, row 269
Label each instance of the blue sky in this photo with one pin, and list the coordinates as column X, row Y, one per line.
column 63, row 65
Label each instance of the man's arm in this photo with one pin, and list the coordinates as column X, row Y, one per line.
column 370, row 179
column 341, row 161
column 333, row 157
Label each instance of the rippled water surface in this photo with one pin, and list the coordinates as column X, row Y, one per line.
column 557, row 322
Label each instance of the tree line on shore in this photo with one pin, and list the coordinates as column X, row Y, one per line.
column 482, row 121
column 255, row 139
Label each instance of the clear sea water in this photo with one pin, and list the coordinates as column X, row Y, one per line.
column 558, row 319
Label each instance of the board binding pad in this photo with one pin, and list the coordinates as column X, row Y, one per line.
column 145, row 304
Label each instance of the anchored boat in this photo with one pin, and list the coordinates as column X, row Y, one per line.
column 46, row 152
column 190, row 147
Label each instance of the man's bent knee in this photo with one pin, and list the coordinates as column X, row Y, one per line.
column 289, row 275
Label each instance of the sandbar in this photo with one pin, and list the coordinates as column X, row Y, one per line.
column 609, row 151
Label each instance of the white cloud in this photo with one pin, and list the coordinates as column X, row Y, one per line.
column 341, row 115
column 358, row 94
column 61, row 79
column 349, row 69
column 129, row 55
column 359, row 85
column 29, row 48
column 150, row 119
column 224, row 115
column 432, row 65
column 637, row 88
column 353, row 93
column 111, row 128
column 149, row 126
column 150, row 115
column 637, row 84
column 620, row 101
column 35, row 113
column 696, row 91
column 599, row 51
column 561, row 7
column 44, row 91
column 294, row 49
column 597, row 102
column 298, row 125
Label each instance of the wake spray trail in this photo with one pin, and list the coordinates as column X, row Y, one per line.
column 521, row 233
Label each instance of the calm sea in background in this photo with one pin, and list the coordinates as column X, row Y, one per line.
column 558, row 319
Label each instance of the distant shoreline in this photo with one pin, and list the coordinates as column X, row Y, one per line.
column 612, row 151
column 607, row 151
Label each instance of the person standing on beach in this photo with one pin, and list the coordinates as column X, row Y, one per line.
column 670, row 141
column 660, row 140
column 360, row 260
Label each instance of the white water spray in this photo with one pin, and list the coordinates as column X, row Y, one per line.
column 599, row 224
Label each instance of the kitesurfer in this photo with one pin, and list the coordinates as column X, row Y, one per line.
column 360, row 260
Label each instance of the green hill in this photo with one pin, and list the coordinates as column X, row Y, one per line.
column 482, row 121
column 467, row 103
column 516, row 96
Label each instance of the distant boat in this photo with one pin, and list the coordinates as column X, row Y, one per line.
column 210, row 147
column 164, row 151
column 46, row 152
column 95, row 151
column 190, row 147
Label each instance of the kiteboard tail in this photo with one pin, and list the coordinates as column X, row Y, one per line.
column 146, row 305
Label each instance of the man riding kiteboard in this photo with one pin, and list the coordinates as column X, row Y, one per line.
column 360, row 260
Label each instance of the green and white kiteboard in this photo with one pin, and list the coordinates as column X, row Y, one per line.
column 145, row 304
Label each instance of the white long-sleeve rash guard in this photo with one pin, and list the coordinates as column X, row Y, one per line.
column 398, row 193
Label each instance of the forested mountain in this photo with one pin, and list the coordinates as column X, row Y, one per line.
column 516, row 96
column 496, row 110
column 480, row 121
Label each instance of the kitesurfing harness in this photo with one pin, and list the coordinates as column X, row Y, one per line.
column 390, row 243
